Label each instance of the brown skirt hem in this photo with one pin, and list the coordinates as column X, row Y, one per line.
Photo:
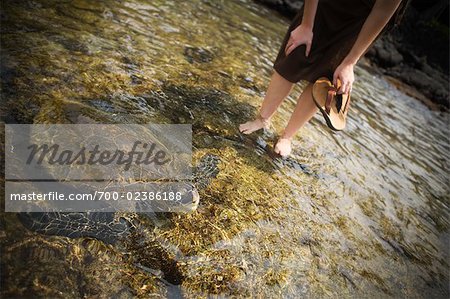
column 294, row 81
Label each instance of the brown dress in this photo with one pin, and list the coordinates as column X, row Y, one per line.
column 336, row 26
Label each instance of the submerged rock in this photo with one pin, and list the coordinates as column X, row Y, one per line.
column 199, row 55
column 110, row 227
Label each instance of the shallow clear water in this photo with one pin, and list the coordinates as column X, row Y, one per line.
column 360, row 212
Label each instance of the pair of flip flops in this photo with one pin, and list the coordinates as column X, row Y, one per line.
column 333, row 106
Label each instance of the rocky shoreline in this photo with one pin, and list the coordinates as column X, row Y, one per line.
column 414, row 56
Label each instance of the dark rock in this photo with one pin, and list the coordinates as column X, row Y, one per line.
column 70, row 44
column 199, row 55
column 385, row 53
column 294, row 5
column 431, row 82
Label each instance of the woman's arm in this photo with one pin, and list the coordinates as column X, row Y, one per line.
column 303, row 33
column 309, row 13
column 380, row 15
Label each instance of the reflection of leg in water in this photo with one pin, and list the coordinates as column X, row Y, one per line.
column 279, row 88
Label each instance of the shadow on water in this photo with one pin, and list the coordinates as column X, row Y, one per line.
column 214, row 116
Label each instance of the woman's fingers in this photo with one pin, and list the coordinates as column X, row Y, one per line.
column 335, row 79
column 288, row 44
column 345, row 87
column 340, row 89
column 308, row 48
column 292, row 44
column 349, row 88
column 301, row 35
column 286, row 51
column 291, row 48
column 343, row 78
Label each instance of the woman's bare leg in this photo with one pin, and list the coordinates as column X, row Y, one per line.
column 304, row 111
column 279, row 88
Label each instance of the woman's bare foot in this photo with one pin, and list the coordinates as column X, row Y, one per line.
column 255, row 125
column 283, row 147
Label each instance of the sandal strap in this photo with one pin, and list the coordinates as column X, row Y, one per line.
column 330, row 95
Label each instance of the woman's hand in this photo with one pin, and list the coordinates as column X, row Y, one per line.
column 344, row 73
column 302, row 35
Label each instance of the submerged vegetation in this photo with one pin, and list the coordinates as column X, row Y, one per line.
column 362, row 212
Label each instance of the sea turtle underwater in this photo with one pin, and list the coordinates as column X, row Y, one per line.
column 109, row 227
